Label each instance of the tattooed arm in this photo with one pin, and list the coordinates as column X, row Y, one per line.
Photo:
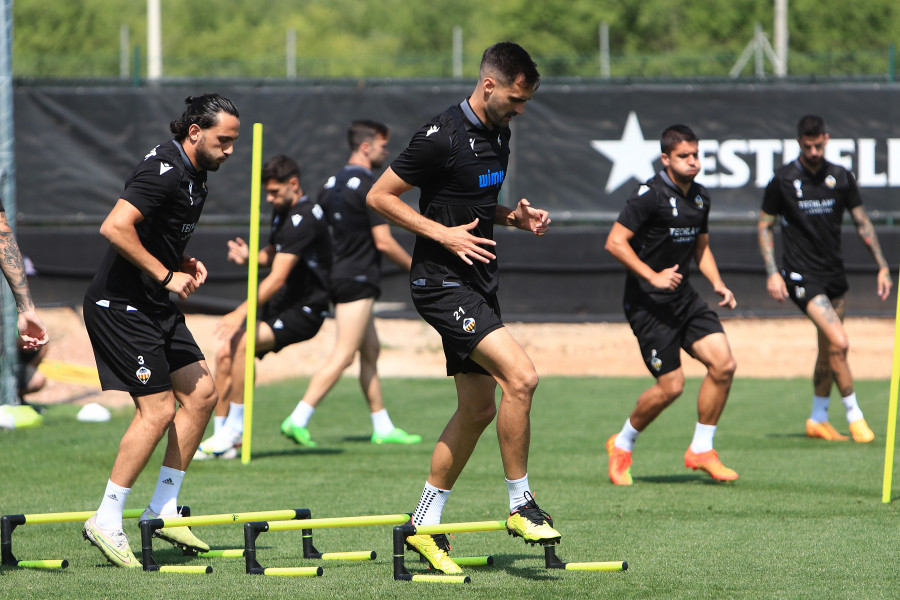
column 866, row 232
column 31, row 329
column 774, row 282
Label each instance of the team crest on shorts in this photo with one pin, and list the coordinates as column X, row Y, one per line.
column 655, row 361
column 143, row 374
column 468, row 324
column 800, row 292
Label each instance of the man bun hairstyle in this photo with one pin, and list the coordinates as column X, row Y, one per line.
column 202, row 111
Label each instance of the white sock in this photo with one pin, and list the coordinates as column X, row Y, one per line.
column 165, row 496
column 109, row 515
column 431, row 506
column 381, row 422
column 819, row 412
column 302, row 413
column 235, row 419
column 627, row 437
column 703, row 438
column 854, row 413
column 218, row 423
column 517, row 491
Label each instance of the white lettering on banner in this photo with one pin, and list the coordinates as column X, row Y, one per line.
column 736, row 163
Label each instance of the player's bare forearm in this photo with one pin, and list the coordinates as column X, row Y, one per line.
column 766, row 229
column 13, row 267
column 866, row 232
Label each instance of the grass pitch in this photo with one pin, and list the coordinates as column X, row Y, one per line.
column 804, row 520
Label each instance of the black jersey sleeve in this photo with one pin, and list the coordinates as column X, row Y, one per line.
column 300, row 230
column 639, row 209
column 852, row 197
column 771, row 204
column 426, row 155
column 151, row 184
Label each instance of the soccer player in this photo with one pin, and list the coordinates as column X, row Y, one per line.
column 140, row 340
column 293, row 297
column 458, row 160
column 662, row 227
column 360, row 236
column 32, row 333
column 810, row 195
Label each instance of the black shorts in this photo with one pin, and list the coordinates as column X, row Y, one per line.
column 350, row 290
column 802, row 288
column 462, row 317
column 662, row 330
column 296, row 323
column 136, row 351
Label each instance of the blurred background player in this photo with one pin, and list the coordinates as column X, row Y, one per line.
column 293, row 297
column 662, row 227
column 32, row 340
column 454, row 282
column 360, row 236
column 140, row 340
column 810, row 195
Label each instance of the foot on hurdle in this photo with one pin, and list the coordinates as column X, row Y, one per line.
column 180, row 537
column 112, row 543
column 532, row 524
column 435, row 549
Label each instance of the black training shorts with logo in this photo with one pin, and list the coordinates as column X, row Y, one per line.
column 662, row 330
column 462, row 317
column 803, row 288
column 291, row 324
column 137, row 351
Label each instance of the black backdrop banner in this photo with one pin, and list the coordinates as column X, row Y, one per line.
column 579, row 150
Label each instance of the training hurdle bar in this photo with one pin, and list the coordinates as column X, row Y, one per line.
column 551, row 560
column 8, row 524
column 150, row 525
column 306, row 525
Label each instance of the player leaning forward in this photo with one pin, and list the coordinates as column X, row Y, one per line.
column 454, row 285
column 140, row 339
column 662, row 227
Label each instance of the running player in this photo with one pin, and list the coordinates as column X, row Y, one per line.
column 662, row 227
column 293, row 296
column 140, row 340
column 810, row 195
column 360, row 237
column 458, row 160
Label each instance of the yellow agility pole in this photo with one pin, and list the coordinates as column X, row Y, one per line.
column 252, row 283
column 892, row 411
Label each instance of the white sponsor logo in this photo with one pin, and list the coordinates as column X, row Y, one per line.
column 295, row 219
column 164, row 168
column 432, row 129
column 353, row 183
column 737, row 163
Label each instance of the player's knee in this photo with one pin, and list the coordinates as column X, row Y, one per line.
column 723, row 371
column 671, row 388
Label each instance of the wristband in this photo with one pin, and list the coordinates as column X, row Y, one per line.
column 167, row 278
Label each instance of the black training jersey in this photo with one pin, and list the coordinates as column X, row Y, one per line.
column 665, row 225
column 458, row 165
column 344, row 199
column 812, row 207
column 169, row 193
column 302, row 231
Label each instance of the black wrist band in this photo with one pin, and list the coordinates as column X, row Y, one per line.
column 167, row 279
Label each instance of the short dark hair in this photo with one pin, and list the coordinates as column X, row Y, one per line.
column 508, row 60
column 363, row 130
column 280, row 168
column 810, row 126
column 203, row 111
column 674, row 135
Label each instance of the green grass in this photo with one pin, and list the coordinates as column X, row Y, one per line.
column 805, row 519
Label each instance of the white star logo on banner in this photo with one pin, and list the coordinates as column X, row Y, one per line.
column 632, row 156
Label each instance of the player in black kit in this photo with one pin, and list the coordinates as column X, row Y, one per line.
column 810, row 195
column 662, row 227
column 293, row 297
column 458, row 160
column 139, row 337
column 360, row 237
